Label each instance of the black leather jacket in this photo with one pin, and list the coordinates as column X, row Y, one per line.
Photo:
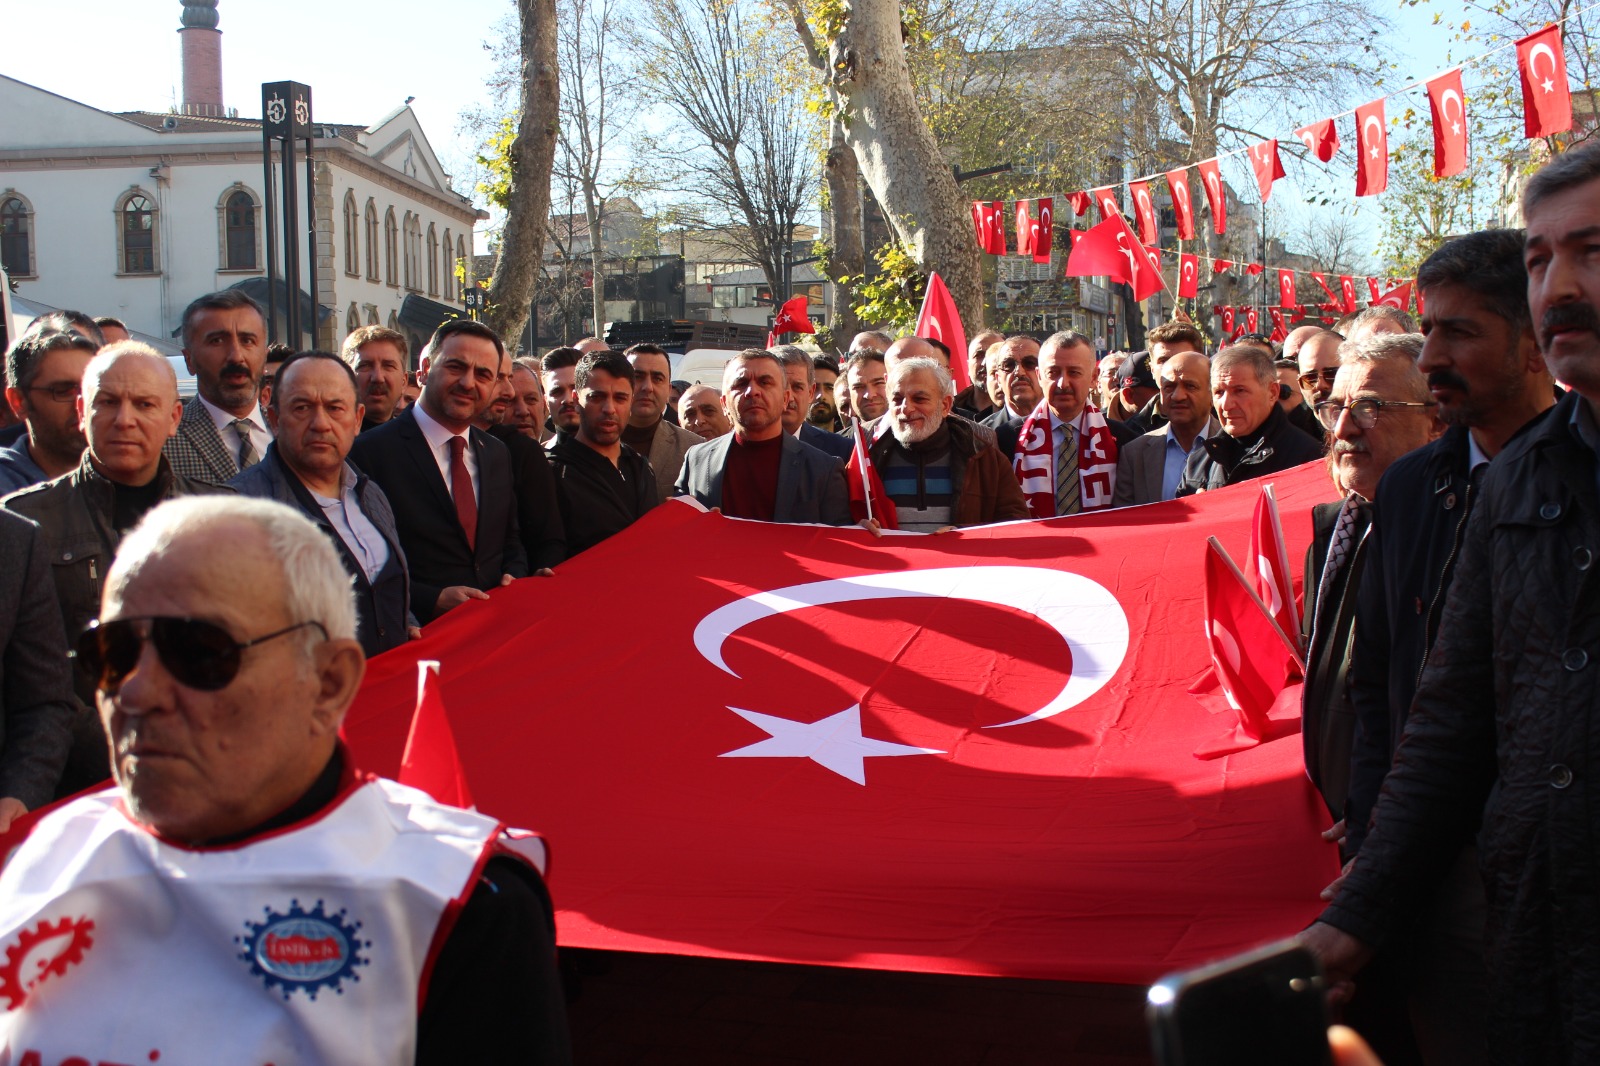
column 1223, row 460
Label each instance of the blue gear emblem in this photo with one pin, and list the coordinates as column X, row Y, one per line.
column 303, row 950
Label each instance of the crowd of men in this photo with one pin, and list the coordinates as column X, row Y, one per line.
column 1451, row 619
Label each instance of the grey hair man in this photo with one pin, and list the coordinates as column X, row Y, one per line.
column 800, row 392
column 1379, row 318
column 1257, row 438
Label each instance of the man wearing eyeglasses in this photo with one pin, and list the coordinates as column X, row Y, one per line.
column 129, row 409
column 299, row 909
column 1014, row 377
column 44, row 373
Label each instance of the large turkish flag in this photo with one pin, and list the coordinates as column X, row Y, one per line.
column 970, row 752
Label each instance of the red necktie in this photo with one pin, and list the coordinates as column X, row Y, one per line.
column 461, row 489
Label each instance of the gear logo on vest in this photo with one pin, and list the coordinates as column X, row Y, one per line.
column 303, row 950
column 40, row 953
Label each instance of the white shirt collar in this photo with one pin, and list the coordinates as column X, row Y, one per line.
column 224, row 420
column 436, row 435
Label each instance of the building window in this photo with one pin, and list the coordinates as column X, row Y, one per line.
column 352, row 320
column 394, row 321
column 372, row 314
column 433, row 260
column 413, row 252
column 461, row 258
column 372, row 241
column 391, row 243
column 405, row 250
column 352, row 235
column 136, row 234
column 449, row 268
column 238, row 231
column 16, row 235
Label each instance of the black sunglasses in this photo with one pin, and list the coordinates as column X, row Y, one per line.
column 199, row 654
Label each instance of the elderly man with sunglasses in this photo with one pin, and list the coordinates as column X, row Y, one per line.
column 129, row 409
column 298, row 909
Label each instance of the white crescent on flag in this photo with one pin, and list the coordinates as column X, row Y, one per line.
column 1180, row 191
column 1306, row 138
column 1533, row 58
column 1378, row 142
column 1444, row 106
column 1188, row 269
column 1086, row 615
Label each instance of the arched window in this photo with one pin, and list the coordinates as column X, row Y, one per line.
column 406, row 263
column 466, row 264
column 372, row 314
column 433, row 260
column 136, row 233
column 352, row 235
column 372, row 241
column 352, row 319
column 238, row 230
column 394, row 321
column 16, row 235
column 449, row 268
column 391, row 248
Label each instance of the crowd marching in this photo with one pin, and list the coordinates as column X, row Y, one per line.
column 221, row 568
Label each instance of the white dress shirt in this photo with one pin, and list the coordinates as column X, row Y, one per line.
column 260, row 435
column 438, row 438
column 353, row 526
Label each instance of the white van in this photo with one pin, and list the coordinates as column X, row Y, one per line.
column 702, row 366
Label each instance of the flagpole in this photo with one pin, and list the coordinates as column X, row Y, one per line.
column 1238, row 576
column 861, row 468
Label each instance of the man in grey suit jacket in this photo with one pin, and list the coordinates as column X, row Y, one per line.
column 758, row 470
column 1150, row 466
column 648, row 432
column 223, row 430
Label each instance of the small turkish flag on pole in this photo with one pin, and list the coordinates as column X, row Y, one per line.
column 1144, row 211
column 1024, row 229
column 1274, row 581
column 1080, row 203
column 1211, row 176
column 1286, row 288
column 1372, row 143
column 1546, row 100
column 1188, row 275
column 1182, row 209
column 1320, row 138
column 940, row 320
column 1044, row 228
column 430, row 762
column 868, row 498
column 1268, row 167
column 1449, row 124
column 792, row 317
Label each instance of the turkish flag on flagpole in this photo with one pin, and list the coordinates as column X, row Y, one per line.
column 1182, row 209
column 792, row 317
column 1274, row 581
column 1320, row 138
column 1024, row 229
column 431, row 762
column 1286, row 288
column 868, row 498
column 940, row 320
column 1211, row 177
column 1144, row 212
column 1449, row 124
column 1043, row 232
column 1372, row 149
column 1188, row 275
column 1267, row 166
column 1546, row 98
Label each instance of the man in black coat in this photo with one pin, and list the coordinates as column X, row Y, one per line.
column 544, row 538
column 1256, row 437
column 603, row 485
column 450, row 484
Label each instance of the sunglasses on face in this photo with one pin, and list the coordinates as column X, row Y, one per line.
column 198, row 654
column 1325, row 375
column 1010, row 365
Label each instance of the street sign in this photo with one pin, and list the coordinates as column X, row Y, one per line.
column 475, row 298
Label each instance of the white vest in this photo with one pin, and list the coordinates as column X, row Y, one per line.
column 307, row 945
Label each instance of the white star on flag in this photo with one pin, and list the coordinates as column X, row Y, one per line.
column 1549, row 86
column 834, row 742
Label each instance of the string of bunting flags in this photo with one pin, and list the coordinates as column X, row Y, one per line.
column 1113, row 250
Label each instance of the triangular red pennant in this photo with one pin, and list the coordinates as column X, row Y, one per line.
column 1449, row 124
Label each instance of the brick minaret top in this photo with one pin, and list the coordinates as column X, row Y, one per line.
column 202, row 59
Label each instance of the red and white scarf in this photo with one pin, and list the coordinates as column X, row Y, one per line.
column 1035, row 462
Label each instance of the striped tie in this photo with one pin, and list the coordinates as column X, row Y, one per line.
column 247, row 446
column 1067, row 500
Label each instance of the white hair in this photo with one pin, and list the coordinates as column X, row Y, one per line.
column 1401, row 349
column 902, row 367
column 316, row 586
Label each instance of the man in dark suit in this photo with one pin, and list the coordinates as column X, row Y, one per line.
column 648, row 431
column 1014, row 374
column 758, row 470
column 800, row 389
column 223, row 430
column 544, row 538
column 449, row 483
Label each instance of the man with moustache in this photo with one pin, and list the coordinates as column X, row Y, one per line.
column 558, row 370
column 1066, row 458
column 450, row 484
column 824, row 411
column 379, row 357
column 1150, row 467
column 700, row 412
column 544, row 540
column 223, row 430
column 603, row 485
column 44, row 378
column 759, row 471
column 937, row 471
column 1496, row 746
column 528, row 407
column 800, row 391
column 1013, row 368
column 648, row 432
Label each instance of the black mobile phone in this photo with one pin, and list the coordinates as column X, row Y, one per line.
column 1266, row 1007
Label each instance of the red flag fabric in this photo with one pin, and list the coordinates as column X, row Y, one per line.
column 1286, row 288
column 1255, row 269
column 1546, row 99
column 868, row 498
column 1110, row 250
column 1182, row 209
column 1280, row 331
column 1076, row 235
column 1374, row 289
column 1105, row 199
column 986, row 220
column 1024, row 229
column 1347, row 292
column 1320, row 138
column 1044, row 228
column 1267, row 166
column 1221, row 266
column 941, row 320
column 1252, row 320
column 1144, row 212
column 1418, row 293
column 792, row 317
column 1248, row 659
column 1188, row 275
column 1372, row 149
column 1211, row 176
column 1449, row 124
column 1269, row 555
column 1322, row 279
column 1227, row 320
column 1080, row 203
column 864, row 737
column 1153, row 255
column 430, row 761
column 1397, row 297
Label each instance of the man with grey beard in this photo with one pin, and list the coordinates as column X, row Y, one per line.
column 935, row 469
